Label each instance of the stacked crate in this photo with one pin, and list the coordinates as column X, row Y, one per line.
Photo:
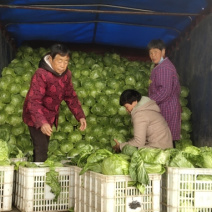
column 15, row 175
column 33, row 194
column 6, row 187
column 96, row 192
column 182, row 191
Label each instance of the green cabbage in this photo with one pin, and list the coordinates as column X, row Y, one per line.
column 115, row 165
column 184, row 91
column 66, row 146
column 186, row 114
column 129, row 150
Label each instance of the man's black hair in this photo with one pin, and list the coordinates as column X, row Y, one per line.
column 156, row 44
column 129, row 96
column 60, row 49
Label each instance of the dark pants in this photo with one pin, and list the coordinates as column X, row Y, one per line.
column 174, row 144
column 40, row 143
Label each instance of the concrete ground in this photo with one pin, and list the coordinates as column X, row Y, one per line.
column 14, row 209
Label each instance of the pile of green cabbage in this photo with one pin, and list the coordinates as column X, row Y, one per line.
column 140, row 163
column 98, row 80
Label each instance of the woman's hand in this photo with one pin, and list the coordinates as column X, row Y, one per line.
column 46, row 129
column 83, row 124
column 117, row 146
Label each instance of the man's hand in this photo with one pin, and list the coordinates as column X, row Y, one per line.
column 117, row 146
column 83, row 124
column 46, row 129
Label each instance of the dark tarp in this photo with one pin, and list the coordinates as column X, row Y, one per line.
column 129, row 23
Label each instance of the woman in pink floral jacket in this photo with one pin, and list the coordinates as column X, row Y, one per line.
column 50, row 85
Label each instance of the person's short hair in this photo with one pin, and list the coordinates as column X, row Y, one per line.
column 156, row 44
column 129, row 96
column 60, row 49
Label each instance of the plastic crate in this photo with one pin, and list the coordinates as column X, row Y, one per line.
column 33, row 194
column 6, row 187
column 14, row 160
column 96, row 192
column 183, row 192
column 18, row 159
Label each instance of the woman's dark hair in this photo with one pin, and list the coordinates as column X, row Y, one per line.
column 60, row 49
column 129, row 96
column 156, row 44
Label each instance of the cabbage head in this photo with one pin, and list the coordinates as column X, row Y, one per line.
column 206, row 159
column 186, row 114
column 66, row 146
column 154, row 155
column 184, row 91
column 119, row 137
column 129, row 150
column 183, row 143
column 115, row 165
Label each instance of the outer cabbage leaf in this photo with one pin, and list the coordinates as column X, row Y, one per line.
column 52, row 180
column 4, row 153
column 94, row 161
column 181, row 160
